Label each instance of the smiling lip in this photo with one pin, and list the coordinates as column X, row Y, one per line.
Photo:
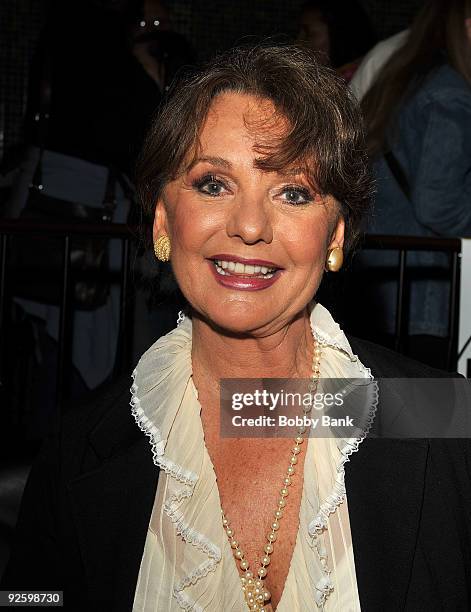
column 240, row 281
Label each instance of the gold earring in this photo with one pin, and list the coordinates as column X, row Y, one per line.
column 334, row 259
column 162, row 248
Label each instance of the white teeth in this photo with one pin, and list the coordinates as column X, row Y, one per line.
column 240, row 268
column 219, row 269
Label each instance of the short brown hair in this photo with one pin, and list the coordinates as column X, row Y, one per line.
column 325, row 135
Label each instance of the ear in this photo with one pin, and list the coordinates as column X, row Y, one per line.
column 160, row 227
column 338, row 233
column 467, row 28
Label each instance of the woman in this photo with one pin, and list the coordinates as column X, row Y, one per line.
column 418, row 116
column 340, row 33
column 254, row 189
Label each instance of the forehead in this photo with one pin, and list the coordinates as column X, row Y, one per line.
column 241, row 117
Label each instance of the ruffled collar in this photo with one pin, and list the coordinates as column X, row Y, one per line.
column 165, row 369
column 163, row 387
column 160, row 381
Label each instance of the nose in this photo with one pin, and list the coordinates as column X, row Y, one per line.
column 250, row 219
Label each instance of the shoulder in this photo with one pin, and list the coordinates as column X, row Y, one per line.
column 382, row 51
column 419, row 402
column 385, row 363
column 92, row 432
column 373, row 61
column 444, row 86
column 385, row 48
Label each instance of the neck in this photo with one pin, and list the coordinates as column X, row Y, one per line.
column 286, row 353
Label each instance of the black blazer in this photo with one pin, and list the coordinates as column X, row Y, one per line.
column 87, row 506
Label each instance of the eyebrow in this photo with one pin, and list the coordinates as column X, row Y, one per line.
column 292, row 171
column 224, row 163
column 215, row 161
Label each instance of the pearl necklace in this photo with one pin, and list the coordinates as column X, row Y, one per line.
column 256, row 595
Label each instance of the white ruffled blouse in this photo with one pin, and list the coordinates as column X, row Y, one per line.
column 188, row 563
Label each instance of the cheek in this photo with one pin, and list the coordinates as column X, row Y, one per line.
column 189, row 228
column 194, row 231
column 307, row 245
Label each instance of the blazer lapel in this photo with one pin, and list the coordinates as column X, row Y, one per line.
column 111, row 507
column 385, row 484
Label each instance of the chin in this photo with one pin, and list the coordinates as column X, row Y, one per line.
column 239, row 318
column 245, row 317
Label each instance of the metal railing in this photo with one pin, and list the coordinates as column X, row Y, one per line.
column 10, row 229
column 403, row 245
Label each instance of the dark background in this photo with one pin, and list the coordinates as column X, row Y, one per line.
column 210, row 25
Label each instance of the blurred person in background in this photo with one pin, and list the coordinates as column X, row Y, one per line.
column 161, row 54
column 340, row 33
column 418, row 117
column 156, row 46
column 94, row 86
column 370, row 66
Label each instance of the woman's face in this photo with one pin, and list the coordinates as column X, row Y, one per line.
column 314, row 33
column 248, row 246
